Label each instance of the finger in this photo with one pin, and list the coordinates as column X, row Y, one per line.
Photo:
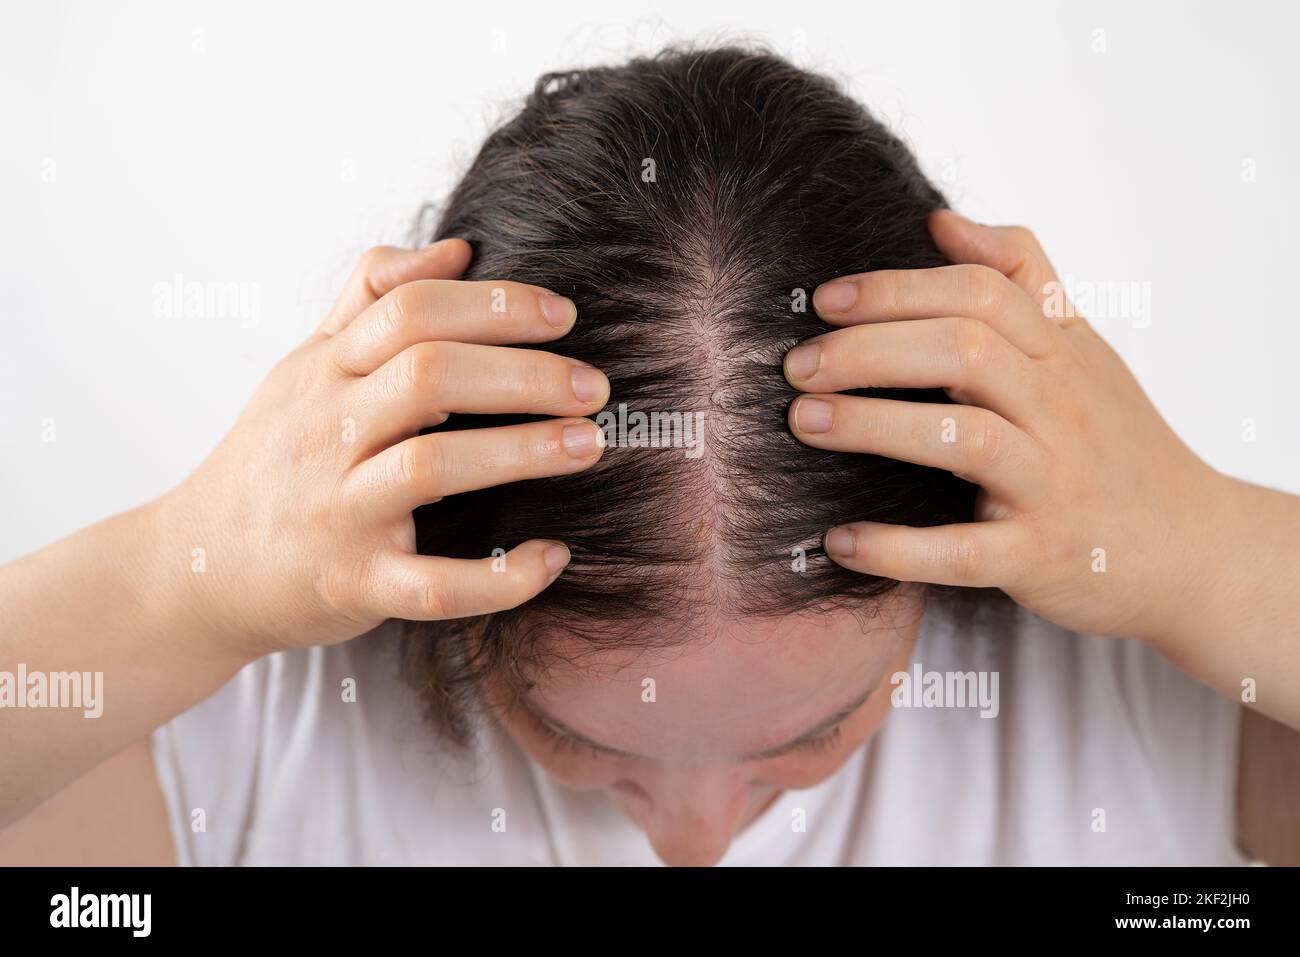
column 964, row 356
column 972, row 555
column 979, row 292
column 442, row 310
column 972, row 443
column 1014, row 251
column 425, row 468
column 420, row 385
column 424, row 588
column 384, row 268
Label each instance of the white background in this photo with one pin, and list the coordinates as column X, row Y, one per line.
column 268, row 144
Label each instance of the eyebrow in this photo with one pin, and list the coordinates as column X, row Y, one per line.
column 805, row 737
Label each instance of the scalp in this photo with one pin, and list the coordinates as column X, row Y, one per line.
column 767, row 181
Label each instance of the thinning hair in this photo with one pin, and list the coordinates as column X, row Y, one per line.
column 688, row 203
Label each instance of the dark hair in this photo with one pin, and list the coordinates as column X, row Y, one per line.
column 766, row 181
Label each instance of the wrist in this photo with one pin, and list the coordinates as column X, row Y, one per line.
column 1204, row 554
column 188, row 589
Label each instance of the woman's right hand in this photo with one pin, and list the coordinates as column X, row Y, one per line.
column 298, row 526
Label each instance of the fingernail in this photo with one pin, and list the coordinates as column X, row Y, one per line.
column 559, row 311
column 581, row 441
column 555, row 557
column 841, row 543
column 835, row 296
column 813, row 415
column 802, row 361
column 589, row 384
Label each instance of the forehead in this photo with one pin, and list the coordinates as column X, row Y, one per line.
column 728, row 692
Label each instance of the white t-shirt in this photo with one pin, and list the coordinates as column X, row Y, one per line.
column 1102, row 753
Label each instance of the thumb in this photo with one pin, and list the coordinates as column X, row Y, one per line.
column 384, row 268
column 1012, row 250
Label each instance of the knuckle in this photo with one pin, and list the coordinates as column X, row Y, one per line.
column 425, row 369
column 417, row 463
column 404, row 465
column 987, row 289
column 373, row 259
column 973, row 346
column 534, row 377
column 985, row 444
column 436, row 601
column 1023, row 237
column 964, row 555
column 401, row 305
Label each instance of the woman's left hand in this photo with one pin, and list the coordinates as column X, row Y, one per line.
column 1092, row 513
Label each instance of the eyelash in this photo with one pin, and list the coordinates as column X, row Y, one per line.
column 823, row 743
column 561, row 743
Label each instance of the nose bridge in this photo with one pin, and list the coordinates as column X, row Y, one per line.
column 695, row 810
column 701, row 785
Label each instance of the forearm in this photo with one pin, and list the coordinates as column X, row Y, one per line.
column 110, row 607
column 1237, row 626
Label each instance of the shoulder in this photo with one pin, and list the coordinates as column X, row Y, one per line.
column 324, row 756
column 273, row 762
column 1098, row 749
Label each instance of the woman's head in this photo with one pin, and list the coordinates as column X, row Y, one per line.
column 689, row 204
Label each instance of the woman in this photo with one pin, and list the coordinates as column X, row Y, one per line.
column 675, row 633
